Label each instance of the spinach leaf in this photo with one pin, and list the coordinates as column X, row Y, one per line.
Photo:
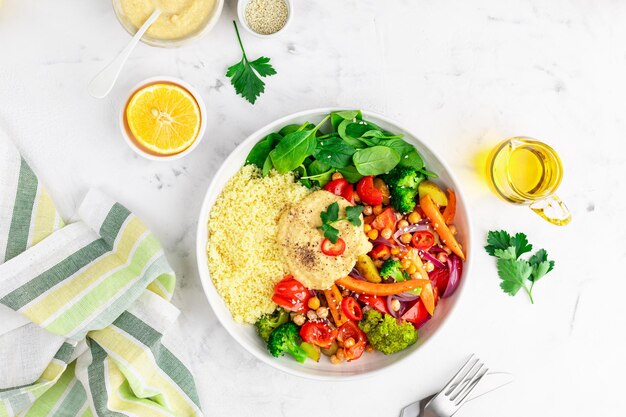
column 376, row 160
column 350, row 174
column 267, row 166
column 293, row 149
column 409, row 157
column 262, row 149
column 428, row 173
column 335, row 152
column 320, row 172
column 339, row 116
column 302, row 176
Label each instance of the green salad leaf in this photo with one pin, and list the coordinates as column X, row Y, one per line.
column 376, row 160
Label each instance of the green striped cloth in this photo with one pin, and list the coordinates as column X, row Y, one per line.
column 84, row 308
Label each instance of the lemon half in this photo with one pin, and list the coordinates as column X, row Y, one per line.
column 164, row 118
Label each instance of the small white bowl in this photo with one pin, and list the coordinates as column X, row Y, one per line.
column 371, row 363
column 130, row 140
column 241, row 14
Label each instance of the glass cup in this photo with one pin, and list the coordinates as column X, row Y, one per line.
column 525, row 171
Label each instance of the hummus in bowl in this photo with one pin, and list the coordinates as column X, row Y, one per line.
column 300, row 240
column 180, row 22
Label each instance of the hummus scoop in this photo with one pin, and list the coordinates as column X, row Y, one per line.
column 300, row 239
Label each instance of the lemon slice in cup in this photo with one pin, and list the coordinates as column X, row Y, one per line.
column 163, row 118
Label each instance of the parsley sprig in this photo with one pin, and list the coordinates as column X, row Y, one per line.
column 514, row 272
column 331, row 216
column 243, row 75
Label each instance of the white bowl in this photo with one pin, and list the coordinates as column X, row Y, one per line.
column 369, row 363
column 132, row 143
column 241, row 14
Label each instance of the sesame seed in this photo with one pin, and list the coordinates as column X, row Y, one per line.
column 266, row 16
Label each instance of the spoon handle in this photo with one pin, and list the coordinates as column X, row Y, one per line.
column 103, row 83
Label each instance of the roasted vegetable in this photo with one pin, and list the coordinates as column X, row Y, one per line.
column 269, row 322
column 367, row 269
column 286, row 339
column 433, row 190
column 387, row 334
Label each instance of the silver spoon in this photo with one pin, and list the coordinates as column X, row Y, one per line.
column 103, row 83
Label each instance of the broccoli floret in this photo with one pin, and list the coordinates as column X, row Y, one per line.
column 266, row 324
column 386, row 333
column 403, row 199
column 286, row 339
column 403, row 177
column 392, row 269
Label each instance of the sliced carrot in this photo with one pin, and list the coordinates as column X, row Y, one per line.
column 432, row 212
column 450, row 211
column 428, row 298
column 334, row 298
column 370, row 288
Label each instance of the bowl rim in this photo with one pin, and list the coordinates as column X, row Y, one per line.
column 155, row 80
column 172, row 43
column 207, row 282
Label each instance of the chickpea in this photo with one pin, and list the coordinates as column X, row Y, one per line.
column 373, row 234
column 412, row 269
column 386, row 233
column 447, row 250
column 335, row 360
column 414, row 217
column 378, row 209
column 379, row 263
column 402, row 224
column 395, row 250
column 429, row 267
column 452, row 229
column 395, row 305
column 340, row 354
column 367, row 228
column 367, row 210
column 349, row 343
column 299, row 319
column 322, row 312
column 336, row 176
column 406, row 238
column 311, row 315
column 356, row 197
column 314, row 303
column 442, row 257
column 369, row 348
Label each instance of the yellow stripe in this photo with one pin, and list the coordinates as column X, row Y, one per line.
column 65, row 292
column 87, row 413
column 158, row 290
column 53, row 371
column 117, row 403
column 45, row 217
column 140, row 359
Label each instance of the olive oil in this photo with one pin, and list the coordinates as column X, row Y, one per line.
column 525, row 171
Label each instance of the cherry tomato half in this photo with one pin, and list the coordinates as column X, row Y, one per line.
column 350, row 330
column 342, row 188
column 380, row 252
column 385, row 220
column 318, row 333
column 423, row 239
column 368, row 193
column 378, row 302
column 351, row 308
column 333, row 249
column 290, row 294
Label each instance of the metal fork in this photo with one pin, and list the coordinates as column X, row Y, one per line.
column 457, row 390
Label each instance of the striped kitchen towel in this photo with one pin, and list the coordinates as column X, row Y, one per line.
column 84, row 308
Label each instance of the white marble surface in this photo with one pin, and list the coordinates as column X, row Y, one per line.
column 461, row 74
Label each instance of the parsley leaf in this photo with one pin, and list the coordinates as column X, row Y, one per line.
column 513, row 274
column 331, row 215
column 517, row 273
column 244, row 75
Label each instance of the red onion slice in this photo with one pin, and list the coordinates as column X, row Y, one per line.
column 428, row 256
column 456, row 268
column 382, row 241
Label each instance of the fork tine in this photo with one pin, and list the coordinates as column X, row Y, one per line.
column 462, row 373
column 467, row 377
column 463, row 395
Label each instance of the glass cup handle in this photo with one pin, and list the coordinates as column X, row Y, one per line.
column 553, row 210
